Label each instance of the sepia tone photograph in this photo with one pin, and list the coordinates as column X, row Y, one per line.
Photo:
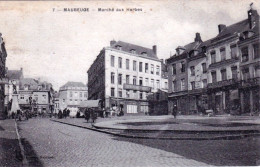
column 133, row 83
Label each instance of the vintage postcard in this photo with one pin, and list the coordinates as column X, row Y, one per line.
column 130, row 83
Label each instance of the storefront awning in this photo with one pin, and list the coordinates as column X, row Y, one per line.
column 89, row 104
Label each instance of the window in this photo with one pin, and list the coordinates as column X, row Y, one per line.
column 22, row 97
column 152, row 68
column 146, row 82
column 157, row 70
column 119, row 62
column 152, row 83
column 112, row 92
column 112, row 78
column 204, row 83
column 112, row 61
column 158, row 84
column 214, row 76
column 141, row 81
column 166, row 85
column 85, row 94
column 246, row 74
column 234, row 72
column 141, row 95
column 182, row 67
column 127, row 93
column 120, row 93
column 120, row 79
column 132, row 51
column 204, row 67
column 144, row 53
column 244, row 54
column 223, row 54
column 213, row 57
column 134, row 80
column 174, row 69
column 233, row 49
column 135, row 94
column 192, row 85
column 140, row 67
column 134, row 65
column 146, row 68
column 127, row 64
column 80, row 94
column 174, row 86
column 71, row 94
column 192, row 70
column 127, row 79
column 182, row 84
column 256, row 51
column 257, row 71
column 119, row 47
column 224, row 74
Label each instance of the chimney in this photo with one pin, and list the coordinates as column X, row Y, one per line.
column 155, row 49
column 221, row 27
column 252, row 18
column 112, row 42
column 197, row 37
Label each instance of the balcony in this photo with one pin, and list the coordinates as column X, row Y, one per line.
column 3, row 81
column 224, row 62
column 197, row 91
column 251, row 82
column 137, row 87
column 223, row 83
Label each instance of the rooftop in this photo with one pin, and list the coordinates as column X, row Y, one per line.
column 127, row 47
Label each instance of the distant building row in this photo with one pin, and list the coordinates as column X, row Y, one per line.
column 221, row 73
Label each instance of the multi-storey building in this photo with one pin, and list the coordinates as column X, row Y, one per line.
column 224, row 64
column 3, row 80
column 178, row 75
column 123, row 74
column 72, row 94
column 250, row 64
column 14, row 77
column 35, row 95
column 197, row 79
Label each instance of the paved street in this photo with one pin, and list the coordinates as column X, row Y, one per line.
column 49, row 143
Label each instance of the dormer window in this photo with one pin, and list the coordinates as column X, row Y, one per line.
column 144, row 53
column 180, row 50
column 118, row 47
column 132, row 51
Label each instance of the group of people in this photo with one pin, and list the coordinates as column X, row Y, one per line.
column 90, row 113
column 19, row 115
column 63, row 114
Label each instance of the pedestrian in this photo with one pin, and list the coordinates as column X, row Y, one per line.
column 68, row 113
column 107, row 112
column 87, row 114
column 65, row 112
column 174, row 111
column 60, row 114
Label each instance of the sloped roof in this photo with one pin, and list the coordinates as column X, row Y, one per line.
column 127, row 47
column 74, row 84
column 14, row 74
column 29, row 81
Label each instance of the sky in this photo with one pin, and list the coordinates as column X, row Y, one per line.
column 59, row 46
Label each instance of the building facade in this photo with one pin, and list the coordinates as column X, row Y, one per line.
column 35, row 95
column 72, row 94
column 178, row 76
column 222, row 73
column 250, row 65
column 124, row 74
column 3, row 80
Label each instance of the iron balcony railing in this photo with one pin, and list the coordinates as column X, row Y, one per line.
column 223, row 83
column 137, row 87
